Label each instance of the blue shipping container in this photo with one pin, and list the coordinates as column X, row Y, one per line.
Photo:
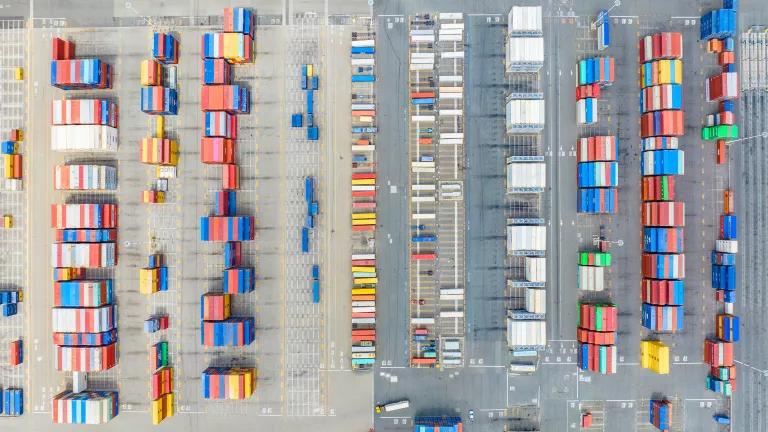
column 728, row 227
column 313, row 133
column 363, row 78
column 663, row 240
column 309, row 189
column 662, row 162
column 718, row 24
column 724, row 277
column 315, row 291
column 305, row 239
column 296, row 120
column 363, row 50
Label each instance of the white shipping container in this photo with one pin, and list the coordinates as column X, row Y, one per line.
column 78, row 255
column 363, row 107
column 358, row 349
column 521, row 333
column 526, row 237
column 536, row 300
column 423, row 199
column 525, row 53
column 524, row 112
column 449, row 37
column 450, row 16
column 362, row 62
column 450, row 78
column 422, row 321
column 82, row 408
column 727, row 246
column 363, row 43
column 423, row 187
column 423, row 216
column 421, row 66
column 451, row 314
column 535, row 269
column 591, row 278
column 363, row 256
column 423, row 118
column 83, row 138
column 363, row 309
column 422, row 38
column 526, row 175
column 81, row 359
column 524, row 19
column 362, row 148
column 452, row 54
column 451, row 112
column 451, row 141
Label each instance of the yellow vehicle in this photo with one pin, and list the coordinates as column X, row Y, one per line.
column 7, row 221
column 18, row 73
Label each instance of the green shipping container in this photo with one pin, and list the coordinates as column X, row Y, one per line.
column 719, row 132
column 600, row 259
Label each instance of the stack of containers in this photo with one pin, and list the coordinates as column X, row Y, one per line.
column 68, row 73
column 12, row 402
column 15, row 352
column 663, row 262
column 654, row 355
column 596, row 334
column 363, row 327
column 220, row 103
column 89, row 177
column 155, row 323
column 9, row 302
column 591, row 270
column 309, row 83
column 592, row 74
column 84, row 125
column 159, row 96
column 660, row 414
column 312, row 211
column 154, row 277
column 597, row 158
column 13, row 160
column 84, row 316
column 718, row 29
column 228, row 383
column 525, row 44
column 87, row 407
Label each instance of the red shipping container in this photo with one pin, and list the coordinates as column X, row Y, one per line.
column 726, row 58
column 664, row 45
column 663, row 214
column 62, row 50
column 15, row 351
column 657, row 291
column 222, row 71
column 595, row 337
column 588, row 91
column 230, row 177
column 722, row 152
column 162, row 382
column 718, row 353
column 217, row 150
column 658, row 123
column 653, row 189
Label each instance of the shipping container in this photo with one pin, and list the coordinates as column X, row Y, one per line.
column 661, row 97
column 151, row 73
column 84, row 177
column 717, row 24
column 83, row 138
column 234, row 47
column 591, row 278
column 658, row 188
column 597, row 148
column 663, row 214
column 524, row 54
column 595, row 337
column 228, row 382
column 525, row 115
column 597, row 358
column 603, row 30
column 727, row 327
column 600, row 259
column 663, row 240
column 536, row 300
column 162, row 408
column 662, row 292
column 598, row 316
column 722, row 86
column 238, row 280
column 525, row 333
column 660, row 414
column 598, row 174
column 88, row 255
column 159, row 151
column 234, row 99
column 526, row 238
column 159, row 100
column 85, row 358
column 535, row 269
column 724, row 277
column 663, row 45
column 525, row 176
column 665, row 122
column 728, row 227
column 661, row 72
column 596, row 70
column 659, row 143
column 718, row 353
column 82, row 293
column 524, row 20
column 597, row 200
column 586, row 111
column 723, row 258
column 84, row 112
column 165, row 48
column 654, row 355
column 227, row 228
column 233, row 331
column 662, row 318
column 240, row 20
column 81, row 74
column 662, row 162
column 88, row 407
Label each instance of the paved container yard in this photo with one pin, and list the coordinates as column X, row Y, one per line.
column 302, row 351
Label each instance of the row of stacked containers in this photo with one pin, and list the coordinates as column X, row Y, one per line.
column 221, row 101
column 597, row 180
column 662, row 217
column 84, row 315
column 159, row 97
column 364, row 275
column 718, row 29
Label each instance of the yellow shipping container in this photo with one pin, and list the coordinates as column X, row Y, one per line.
column 363, row 269
column 18, row 73
column 232, row 44
column 7, row 221
column 356, row 182
column 358, row 222
column 366, row 119
column 363, row 215
column 8, row 164
column 310, row 70
column 160, row 126
column 654, row 355
column 162, row 408
column 366, row 280
column 363, row 291
column 151, row 73
column 148, row 280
